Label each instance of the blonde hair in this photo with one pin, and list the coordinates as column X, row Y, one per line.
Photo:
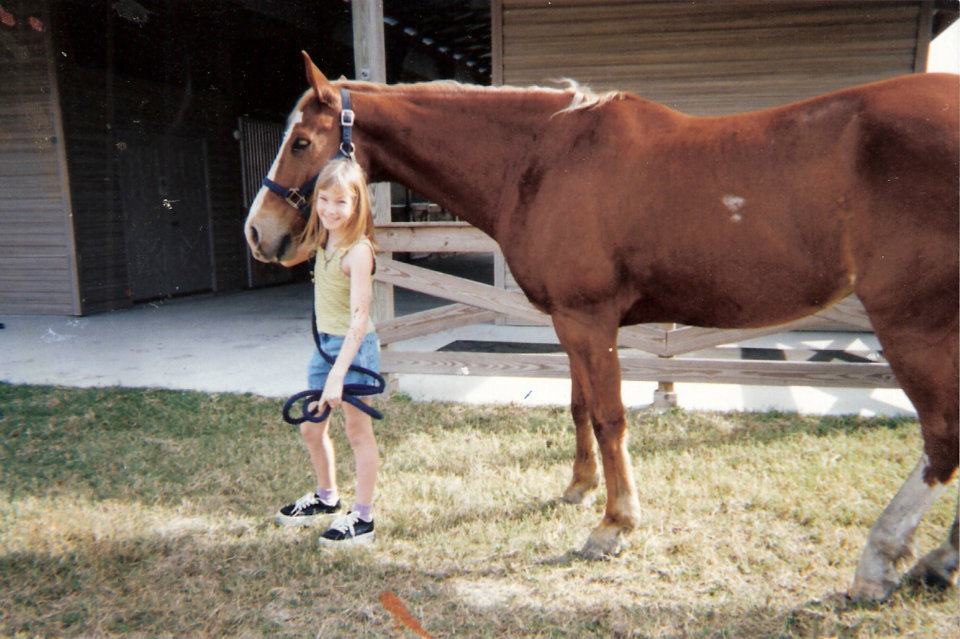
column 346, row 175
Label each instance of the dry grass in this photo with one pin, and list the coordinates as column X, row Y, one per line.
column 148, row 513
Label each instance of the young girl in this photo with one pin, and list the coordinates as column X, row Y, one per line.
column 340, row 233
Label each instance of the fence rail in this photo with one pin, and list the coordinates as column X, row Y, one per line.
column 661, row 346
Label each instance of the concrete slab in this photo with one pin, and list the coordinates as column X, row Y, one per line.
column 259, row 342
column 252, row 341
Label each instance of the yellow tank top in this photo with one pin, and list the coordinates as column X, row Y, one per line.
column 331, row 292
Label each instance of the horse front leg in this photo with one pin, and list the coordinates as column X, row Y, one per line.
column 586, row 477
column 591, row 346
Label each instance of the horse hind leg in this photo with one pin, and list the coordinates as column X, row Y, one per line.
column 938, row 568
column 891, row 537
column 922, row 351
column 586, row 477
column 591, row 346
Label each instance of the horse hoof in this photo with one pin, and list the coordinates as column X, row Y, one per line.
column 863, row 591
column 604, row 543
column 934, row 571
column 582, row 495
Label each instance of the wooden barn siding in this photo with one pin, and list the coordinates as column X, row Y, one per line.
column 706, row 58
column 36, row 254
column 709, row 58
column 91, row 121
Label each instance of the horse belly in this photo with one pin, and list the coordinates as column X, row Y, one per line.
column 765, row 301
column 747, row 273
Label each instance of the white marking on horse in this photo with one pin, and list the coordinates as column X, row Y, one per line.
column 295, row 118
column 734, row 204
column 891, row 537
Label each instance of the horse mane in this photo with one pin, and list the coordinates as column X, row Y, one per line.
column 581, row 97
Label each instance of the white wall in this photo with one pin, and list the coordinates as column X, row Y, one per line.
column 945, row 51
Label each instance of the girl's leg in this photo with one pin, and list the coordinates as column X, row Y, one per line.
column 366, row 457
column 320, row 446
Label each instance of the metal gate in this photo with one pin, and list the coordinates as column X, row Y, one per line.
column 259, row 143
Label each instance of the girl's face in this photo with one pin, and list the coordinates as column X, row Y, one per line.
column 334, row 207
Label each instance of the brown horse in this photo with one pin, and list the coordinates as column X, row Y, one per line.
column 612, row 210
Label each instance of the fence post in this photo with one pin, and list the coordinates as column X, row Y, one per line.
column 370, row 63
column 665, row 397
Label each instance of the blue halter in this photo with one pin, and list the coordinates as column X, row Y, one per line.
column 299, row 198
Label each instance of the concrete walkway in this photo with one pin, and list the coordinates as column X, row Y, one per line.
column 259, row 342
column 252, row 341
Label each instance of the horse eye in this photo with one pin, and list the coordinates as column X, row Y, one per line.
column 300, row 144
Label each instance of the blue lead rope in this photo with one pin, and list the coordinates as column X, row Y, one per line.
column 351, row 392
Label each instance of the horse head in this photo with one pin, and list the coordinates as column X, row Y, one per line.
column 280, row 209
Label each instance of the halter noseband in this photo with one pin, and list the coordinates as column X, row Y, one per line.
column 299, row 198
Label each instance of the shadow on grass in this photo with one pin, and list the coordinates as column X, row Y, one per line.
column 277, row 584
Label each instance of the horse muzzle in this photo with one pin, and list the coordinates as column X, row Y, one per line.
column 267, row 247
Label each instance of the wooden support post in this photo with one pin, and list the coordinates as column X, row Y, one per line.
column 370, row 65
column 665, row 397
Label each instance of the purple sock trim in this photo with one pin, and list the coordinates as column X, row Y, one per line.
column 327, row 495
column 364, row 510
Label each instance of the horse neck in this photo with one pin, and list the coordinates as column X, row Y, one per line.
column 456, row 147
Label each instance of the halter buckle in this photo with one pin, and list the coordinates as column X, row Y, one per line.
column 294, row 199
column 347, row 117
column 347, row 151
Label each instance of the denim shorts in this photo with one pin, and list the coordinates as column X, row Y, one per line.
column 368, row 357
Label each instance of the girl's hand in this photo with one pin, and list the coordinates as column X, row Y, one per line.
column 333, row 391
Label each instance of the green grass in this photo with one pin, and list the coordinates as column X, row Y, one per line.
column 149, row 513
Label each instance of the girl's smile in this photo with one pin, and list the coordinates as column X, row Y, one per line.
column 334, row 207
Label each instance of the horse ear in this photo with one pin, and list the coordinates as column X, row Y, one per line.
column 321, row 86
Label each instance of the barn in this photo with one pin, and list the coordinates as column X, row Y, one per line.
column 134, row 130
column 129, row 128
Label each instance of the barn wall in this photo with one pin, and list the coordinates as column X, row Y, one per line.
column 37, row 269
column 709, row 58
column 97, row 108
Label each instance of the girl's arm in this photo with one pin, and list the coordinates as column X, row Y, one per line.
column 303, row 254
column 358, row 264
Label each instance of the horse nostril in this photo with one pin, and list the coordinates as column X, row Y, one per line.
column 254, row 235
column 284, row 244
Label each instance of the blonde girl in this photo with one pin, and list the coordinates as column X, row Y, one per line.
column 339, row 232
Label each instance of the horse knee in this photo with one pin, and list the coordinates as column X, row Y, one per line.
column 610, row 427
column 580, row 412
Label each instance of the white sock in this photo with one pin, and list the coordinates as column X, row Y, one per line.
column 328, row 496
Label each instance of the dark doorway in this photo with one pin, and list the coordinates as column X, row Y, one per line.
column 163, row 193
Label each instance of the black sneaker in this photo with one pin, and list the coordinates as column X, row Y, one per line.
column 347, row 530
column 306, row 511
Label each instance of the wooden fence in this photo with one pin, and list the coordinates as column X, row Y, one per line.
column 475, row 302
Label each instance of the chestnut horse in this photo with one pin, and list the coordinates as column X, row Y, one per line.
column 612, row 210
